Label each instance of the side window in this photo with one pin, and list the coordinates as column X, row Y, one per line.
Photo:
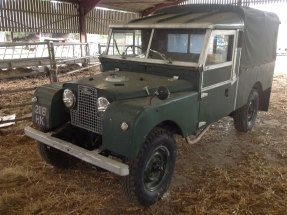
column 220, row 49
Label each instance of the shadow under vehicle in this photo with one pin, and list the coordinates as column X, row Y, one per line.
column 174, row 72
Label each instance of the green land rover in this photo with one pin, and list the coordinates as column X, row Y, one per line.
column 174, row 72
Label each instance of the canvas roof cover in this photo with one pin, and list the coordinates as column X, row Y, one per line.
column 260, row 27
column 182, row 17
column 260, row 30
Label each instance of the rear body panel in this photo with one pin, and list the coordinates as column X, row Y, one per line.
column 262, row 74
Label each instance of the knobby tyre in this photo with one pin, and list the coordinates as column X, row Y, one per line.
column 151, row 171
column 245, row 117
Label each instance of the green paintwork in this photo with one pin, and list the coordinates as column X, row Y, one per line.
column 133, row 86
column 129, row 100
column 51, row 96
column 219, row 101
column 217, row 104
column 168, row 70
column 249, row 77
column 180, row 108
column 215, row 76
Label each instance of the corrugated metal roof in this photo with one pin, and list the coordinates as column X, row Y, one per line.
column 137, row 6
column 140, row 6
column 51, row 17
column 130, row 5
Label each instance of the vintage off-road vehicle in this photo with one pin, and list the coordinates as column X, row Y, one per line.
column 174, row 72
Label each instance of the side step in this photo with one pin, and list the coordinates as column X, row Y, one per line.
column 92, row 157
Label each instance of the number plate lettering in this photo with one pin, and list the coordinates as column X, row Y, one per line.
column 40, row 115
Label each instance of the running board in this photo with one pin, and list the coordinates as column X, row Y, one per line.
column 92, row 157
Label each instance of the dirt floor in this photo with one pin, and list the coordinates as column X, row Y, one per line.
column 227, row 172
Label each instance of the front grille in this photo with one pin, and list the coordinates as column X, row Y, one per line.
column 85, row 116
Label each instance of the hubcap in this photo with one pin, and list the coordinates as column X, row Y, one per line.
column 156, row 168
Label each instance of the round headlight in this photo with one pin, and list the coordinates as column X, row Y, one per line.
column 69, row 98
column 102, row 104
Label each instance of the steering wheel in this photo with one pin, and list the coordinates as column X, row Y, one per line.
column 131, row 46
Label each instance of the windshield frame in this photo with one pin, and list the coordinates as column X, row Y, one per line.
column 156, row 61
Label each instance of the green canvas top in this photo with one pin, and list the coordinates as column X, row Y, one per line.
column 183, row 17
column 260, row 27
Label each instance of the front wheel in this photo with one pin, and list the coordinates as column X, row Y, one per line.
column 245, row 117
column 152, row 170
column 56, row 157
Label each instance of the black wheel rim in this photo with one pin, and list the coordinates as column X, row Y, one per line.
column 156, row 168
column 251, row 110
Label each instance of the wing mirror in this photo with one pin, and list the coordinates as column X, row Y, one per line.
column 162, row 93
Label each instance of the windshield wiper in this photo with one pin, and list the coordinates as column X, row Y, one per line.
column 168, row 60
column 117, row 48
column 131, row 46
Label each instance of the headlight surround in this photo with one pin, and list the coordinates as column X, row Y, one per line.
column 102, row 104
column 69, row 98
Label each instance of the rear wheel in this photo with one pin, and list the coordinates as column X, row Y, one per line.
column 245, row 117
column 55, row 157
column 152, row 170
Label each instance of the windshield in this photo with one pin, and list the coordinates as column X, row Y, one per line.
column 168, row 45
column 177, row 45
column 129, row 42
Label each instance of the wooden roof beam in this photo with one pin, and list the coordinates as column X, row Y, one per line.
column 161, row 5
column 85, row 6
column 88, row 5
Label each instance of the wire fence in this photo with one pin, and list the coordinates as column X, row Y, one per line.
column 49, row 56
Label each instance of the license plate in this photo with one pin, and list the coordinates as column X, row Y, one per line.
column 40, row 115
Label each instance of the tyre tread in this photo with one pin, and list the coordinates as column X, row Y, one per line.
column 55, row 157
column 129, row 186
column 240, row 115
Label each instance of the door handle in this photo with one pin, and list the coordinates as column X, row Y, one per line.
column 203, row 95
column 226, row 92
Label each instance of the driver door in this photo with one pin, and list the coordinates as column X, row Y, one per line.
column 218, row 84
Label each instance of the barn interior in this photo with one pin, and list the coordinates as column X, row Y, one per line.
column 227, row 172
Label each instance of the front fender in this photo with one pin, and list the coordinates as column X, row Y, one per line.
column 180, row 108
column 50, row 96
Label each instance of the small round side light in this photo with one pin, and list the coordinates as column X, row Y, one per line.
column 124, row 126
column 34, row 99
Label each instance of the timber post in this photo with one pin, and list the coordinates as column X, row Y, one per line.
column 53, row 66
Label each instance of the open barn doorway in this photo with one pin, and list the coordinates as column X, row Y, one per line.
column 280, row 10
